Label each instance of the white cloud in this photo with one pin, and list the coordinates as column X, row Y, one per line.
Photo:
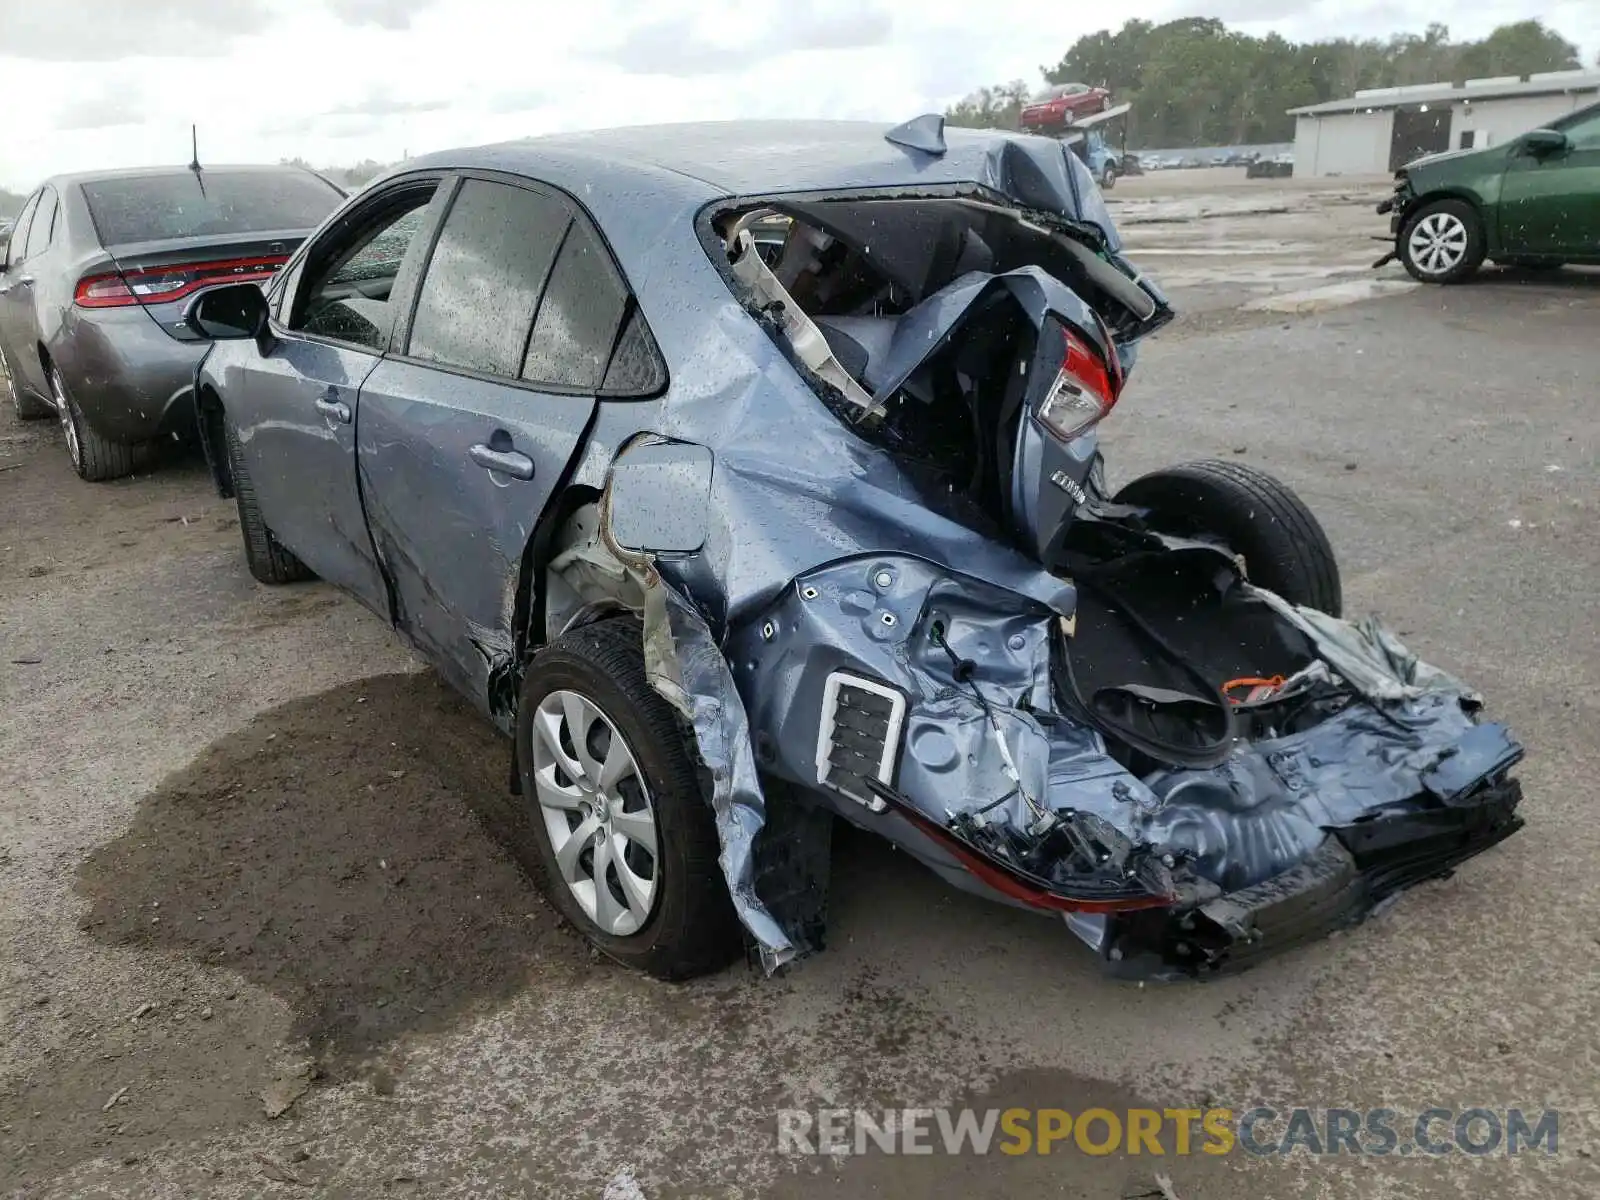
column 335, row 81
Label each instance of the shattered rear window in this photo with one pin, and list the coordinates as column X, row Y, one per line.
column 150, row 208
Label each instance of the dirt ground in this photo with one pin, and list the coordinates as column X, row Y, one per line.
column 262, row 930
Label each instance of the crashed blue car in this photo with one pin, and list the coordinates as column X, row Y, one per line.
column 746, row 476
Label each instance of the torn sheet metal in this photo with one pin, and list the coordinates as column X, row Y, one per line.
column 691, row 665
column 1368, row 656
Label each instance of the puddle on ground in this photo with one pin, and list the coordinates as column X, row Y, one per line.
column 331, row 852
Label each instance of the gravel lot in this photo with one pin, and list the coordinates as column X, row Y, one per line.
column 253, row 858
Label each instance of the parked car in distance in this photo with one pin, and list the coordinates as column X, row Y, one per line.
column 1532, row 202
column 94, row 283
column 1058, row 106
column 1276, row 166
column 1104, row 161
column 783, row 404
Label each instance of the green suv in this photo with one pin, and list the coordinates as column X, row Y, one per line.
column 1533, row 202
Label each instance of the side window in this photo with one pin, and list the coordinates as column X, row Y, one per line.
column 43, row 221
column 579, row 317
column 15, row 252
column 486, row 276
column 347, row 290
column 1585, row 134
column 636, row 368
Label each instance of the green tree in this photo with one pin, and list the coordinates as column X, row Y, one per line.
column 1519, row 49
column 995, row 107
column 1195, row 82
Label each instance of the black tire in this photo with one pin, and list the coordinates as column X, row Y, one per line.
column 1455, row 269
column 1284, row 547
column 24, row 403
column 94, row 458
column 269, row 560
column 692, row 929
column 1108, row 178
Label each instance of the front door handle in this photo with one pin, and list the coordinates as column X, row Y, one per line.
column 506, row 462
column 336, row 409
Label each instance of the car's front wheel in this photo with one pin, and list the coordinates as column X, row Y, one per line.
column 1108, row 177
column 1256, row 516
column 269, row 560
column 624, row 835
column 94, row 458
column 1442, row 242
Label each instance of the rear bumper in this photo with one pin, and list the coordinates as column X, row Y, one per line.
column 130, row 379
column 1350, row 876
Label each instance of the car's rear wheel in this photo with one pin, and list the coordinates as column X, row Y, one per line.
column 1442, row 242
column 268, row 559
column 28, row 407
column 95, row 458
column 625, row 840
column 1256, row 516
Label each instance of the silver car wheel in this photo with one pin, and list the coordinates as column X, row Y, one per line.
column 69, row 427
column 1438, row 243
column 597, row 811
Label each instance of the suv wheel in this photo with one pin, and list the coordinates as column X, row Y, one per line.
column 1442, row 242
column 625, row 840
column 27, row 407
column 95, row 458
column 1108, row 177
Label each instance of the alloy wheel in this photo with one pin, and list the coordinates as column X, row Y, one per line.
column 69, row 427
column 1438, row 243
column 598, row 813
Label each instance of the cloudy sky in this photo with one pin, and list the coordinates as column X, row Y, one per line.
column 116, row 82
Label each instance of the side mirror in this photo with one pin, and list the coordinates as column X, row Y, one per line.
column 230, row 312
column 1544, row 142
column 659, row 494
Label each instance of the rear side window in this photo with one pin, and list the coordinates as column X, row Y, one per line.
column 486, row 276
column 148, row 208
column 43, row 222
column 580, row 316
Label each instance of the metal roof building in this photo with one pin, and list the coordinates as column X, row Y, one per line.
column 1375, row 131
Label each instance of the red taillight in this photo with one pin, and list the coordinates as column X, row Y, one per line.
column 1084, row 391
column 159, row 285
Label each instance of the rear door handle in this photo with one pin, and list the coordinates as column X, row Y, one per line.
column 507, row 462
column 329, row 406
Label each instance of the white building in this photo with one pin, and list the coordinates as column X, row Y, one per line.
column 1378, row 130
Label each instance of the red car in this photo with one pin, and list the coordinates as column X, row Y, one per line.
column 1064, row 103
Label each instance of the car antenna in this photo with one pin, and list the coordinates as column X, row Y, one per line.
column 194, row 157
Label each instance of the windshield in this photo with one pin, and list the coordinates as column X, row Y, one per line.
column 148, row 208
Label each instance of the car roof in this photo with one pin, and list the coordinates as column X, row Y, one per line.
column 737, row 158
column 81, row 177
